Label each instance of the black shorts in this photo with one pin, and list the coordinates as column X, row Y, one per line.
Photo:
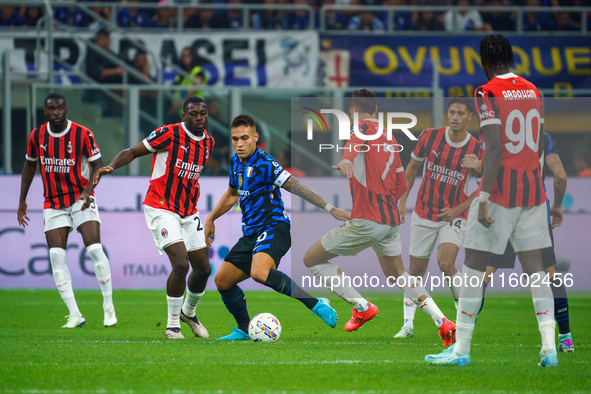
column 507, row 259
column 274, row 240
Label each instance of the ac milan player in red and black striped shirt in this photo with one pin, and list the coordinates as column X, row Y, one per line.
column 442, row 201
column 69, row 156
column 511, row 192
column 180, row 151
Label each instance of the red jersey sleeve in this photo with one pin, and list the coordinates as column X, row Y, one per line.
column 420, row 153
column 90, row 148
column 158, row 139
column 32, row 149
column 487, row 109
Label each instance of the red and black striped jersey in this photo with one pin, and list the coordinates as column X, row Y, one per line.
column 64, row 159
column 514, row 103
column 378, row 178
column 445, row 181
column 178, row 160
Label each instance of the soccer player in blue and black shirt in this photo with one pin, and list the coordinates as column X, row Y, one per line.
column 552, row 161
column 256, row 179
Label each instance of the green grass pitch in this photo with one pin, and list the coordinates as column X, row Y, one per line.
column 37, row 356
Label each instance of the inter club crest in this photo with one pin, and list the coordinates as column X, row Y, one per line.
column 164, row 233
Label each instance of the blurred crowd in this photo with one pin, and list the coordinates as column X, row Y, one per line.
column 164, row 15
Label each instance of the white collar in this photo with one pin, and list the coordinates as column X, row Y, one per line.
column 507, row 76
column 455, row 144
column 193, row 136
column 58, row 135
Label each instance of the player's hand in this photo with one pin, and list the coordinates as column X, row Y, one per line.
column 86, row 198
column 346, row 168
column 470, row 162
column 402, row 210
column 448, row 214
column 557, row 216
column 483, row 217
column 340, row 214
column 23, row 219
column 209, row 232
column 102, row 171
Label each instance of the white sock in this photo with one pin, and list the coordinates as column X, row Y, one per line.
column 191, row 302
column 102, row 271
column 455, row 289
column 428, row 305
column 62, row 278
column 329, row 274
column 544, row 307
column 174, row 311
column 470, row 301
column 409, row 308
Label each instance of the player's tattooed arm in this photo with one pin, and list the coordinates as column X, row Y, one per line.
column 123, row 158
column 294, row 186
column 554, row 163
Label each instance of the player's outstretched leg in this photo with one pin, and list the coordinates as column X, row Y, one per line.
column 196, row 283
column 331, row 275
column 102, row 271
column 283, row 284
column 63, row 282
column 419, row 295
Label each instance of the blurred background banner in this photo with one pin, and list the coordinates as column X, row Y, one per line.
column 277, row 60
column 548, row 62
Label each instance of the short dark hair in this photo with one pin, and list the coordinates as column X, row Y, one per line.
column 461, row 100
column 243, row 120
column 55, row 96
column 103, row 32
column 364, row 100
column 496, row 51
column 194, row 100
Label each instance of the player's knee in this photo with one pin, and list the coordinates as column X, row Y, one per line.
column 447, row 267
column 180, row 268
column 309, row 261
column 205, row 271
column 221, row 283
column 259, row 274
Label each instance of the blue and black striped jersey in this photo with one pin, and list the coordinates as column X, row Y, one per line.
column 259, row 182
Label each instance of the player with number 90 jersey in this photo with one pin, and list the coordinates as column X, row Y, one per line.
column 378, row 179
column 515, row 104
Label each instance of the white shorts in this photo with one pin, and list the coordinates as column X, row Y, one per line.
column 525, row 227
column 424, row 234
column 71, row 217
column 357, row 235
column 169, row 228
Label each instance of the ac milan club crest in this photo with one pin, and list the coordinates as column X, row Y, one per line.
column 206, row 154
column 69, row 148
column 164, row 233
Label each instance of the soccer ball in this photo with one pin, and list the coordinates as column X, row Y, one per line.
column 264, row 327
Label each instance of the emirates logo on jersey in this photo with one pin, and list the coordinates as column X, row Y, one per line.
column 164, row 233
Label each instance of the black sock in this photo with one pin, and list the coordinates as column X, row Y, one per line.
column 235, row 301
column 283, row 284
column 560, row 306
